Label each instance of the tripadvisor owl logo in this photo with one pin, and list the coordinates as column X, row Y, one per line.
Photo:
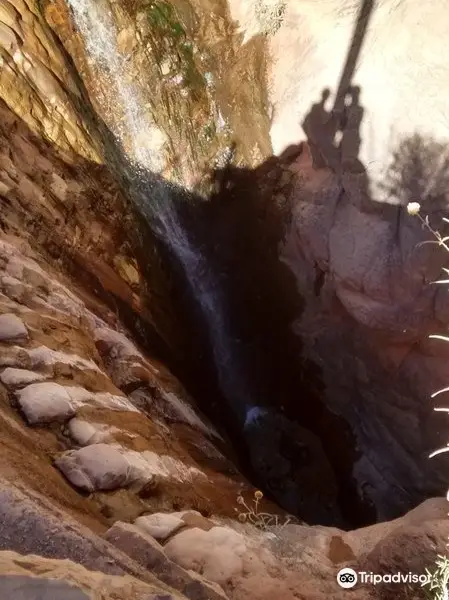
column 347, row 578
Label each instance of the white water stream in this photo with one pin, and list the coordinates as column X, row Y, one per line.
column 143, row 143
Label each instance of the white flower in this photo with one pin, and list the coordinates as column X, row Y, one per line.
column 413, row 208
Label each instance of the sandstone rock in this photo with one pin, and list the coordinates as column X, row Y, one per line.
column 376, row 305
column 96, row 467
column 193, row 518
column 15, row 289
column 13, row 378
column 40, row 86
column 159, row 525
column 245, row 567
column 108, row 467
column 45, row 402
column 46, row 357
column 365, row 539
column 124, row 467
column 12, row 328
column 84, row 433
column 309, row 42
column 116, row 343
column 218, row 554
column 32, row 588
column 15, row 356
column 323, row 542
column 31, row 577
column 142, row 548
column 136, row 544
column 145, row 465
column 397, row 553
column 171, row 407
column 81, row 396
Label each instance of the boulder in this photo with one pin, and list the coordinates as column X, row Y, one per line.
column 12, row 328
column 146, row 551
column 84, row 433
column 219, row 554
column 45, row 402
column 95, row 467
column 160, row 525
column 14, row 378
column 398, row 553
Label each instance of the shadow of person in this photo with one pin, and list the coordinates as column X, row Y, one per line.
column 334, row 140
column 320, row 127
column 351, row 138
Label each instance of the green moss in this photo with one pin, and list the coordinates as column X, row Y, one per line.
column 161, row 15
column 209, row 131
column 172, row 39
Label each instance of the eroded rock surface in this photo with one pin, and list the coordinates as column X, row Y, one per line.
column 104, row 440
column 368, row 312
column 39, row 83
column 201, row 93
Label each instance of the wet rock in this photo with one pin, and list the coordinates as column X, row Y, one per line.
column 45, row 402
column 12, row 328
column 291, row 462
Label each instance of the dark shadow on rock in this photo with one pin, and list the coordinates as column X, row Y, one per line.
column 419, row 172
column 335, row 139
column 350, row 134
column 321, row 127
column 261, row 391
column 239, row 231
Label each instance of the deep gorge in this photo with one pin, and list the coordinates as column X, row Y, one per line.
column 217, row 299
column 237, row 353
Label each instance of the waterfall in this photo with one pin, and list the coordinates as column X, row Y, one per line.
column 142, row 141
column 120, row 101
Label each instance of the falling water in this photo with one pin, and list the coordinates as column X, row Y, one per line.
column 143, row 143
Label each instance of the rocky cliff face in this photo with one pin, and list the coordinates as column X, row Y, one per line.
column 204, row 92
column 39, row 83
column 114, row 484
column 369, row 309
column 130, row 489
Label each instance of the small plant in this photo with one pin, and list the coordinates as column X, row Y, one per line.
column 437, row 583
column 173, row 40
column 261, row 520
column 438, row 580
